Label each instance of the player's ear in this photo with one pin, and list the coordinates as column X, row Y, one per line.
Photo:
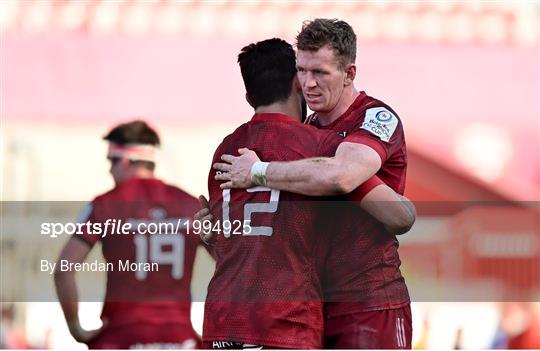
column 350, row 74
column 249, row 101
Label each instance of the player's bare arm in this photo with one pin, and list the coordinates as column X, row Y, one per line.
column 352, row 165
column 75, row 251
column 396, row 212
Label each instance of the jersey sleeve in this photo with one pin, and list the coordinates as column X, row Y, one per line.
column 327, row 147
column 363, row 189
column 381, row 130
column 87, row 214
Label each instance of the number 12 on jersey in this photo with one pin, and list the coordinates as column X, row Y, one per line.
column 250, row 208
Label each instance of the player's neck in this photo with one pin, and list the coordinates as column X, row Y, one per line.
column 285, row 108
column 141, row 172
column 346, row 100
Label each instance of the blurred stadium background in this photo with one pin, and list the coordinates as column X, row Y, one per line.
column 462, row 75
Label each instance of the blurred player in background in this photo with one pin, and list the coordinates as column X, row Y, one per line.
column 266, row 287
column 11, row 337
column 142, row 309
column 368, row 304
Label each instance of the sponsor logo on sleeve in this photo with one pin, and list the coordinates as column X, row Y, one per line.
column 380, row 122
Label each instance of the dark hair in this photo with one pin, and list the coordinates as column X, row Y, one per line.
column 304, row 108
column 339, row 35
column 268, row 69
column 135, row 132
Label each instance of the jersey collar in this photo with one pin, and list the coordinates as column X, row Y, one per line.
column 272, row 117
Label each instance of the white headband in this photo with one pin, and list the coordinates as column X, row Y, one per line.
column 133, row 152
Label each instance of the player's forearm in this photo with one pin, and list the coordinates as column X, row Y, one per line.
column 318, row 176
column 408, row 218
column 394, row 211
column 401, row 216
column 297, row 176
column 66, row 289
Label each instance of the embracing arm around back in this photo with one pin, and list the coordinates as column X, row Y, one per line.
column 395, row 212
column 351, row 165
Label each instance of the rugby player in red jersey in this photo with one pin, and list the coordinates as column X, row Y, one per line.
column 266, row 287
column 143, row 308
column 368, row 304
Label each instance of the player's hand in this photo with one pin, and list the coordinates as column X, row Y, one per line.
column 236, row 170
column 83, row 335
column 208, row 237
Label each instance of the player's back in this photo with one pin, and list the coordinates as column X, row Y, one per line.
column 266, row 287
column 136, row 291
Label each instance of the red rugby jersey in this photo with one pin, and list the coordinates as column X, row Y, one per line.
column 139, row 297
column 371, row 122
column 266, row 287
column 362, row 268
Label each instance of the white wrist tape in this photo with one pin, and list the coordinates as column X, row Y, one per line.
column 258, row 173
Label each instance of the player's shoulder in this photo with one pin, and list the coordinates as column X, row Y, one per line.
column 121, row 190
column 302, row 134
column 108, row 195
column 232, row 138
column 376, row 117
column 309, row 141
column 375, row 105
column 292, row 126
column 179, row 193
column 318, row 134
column 97, row 205
column 238, row 133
